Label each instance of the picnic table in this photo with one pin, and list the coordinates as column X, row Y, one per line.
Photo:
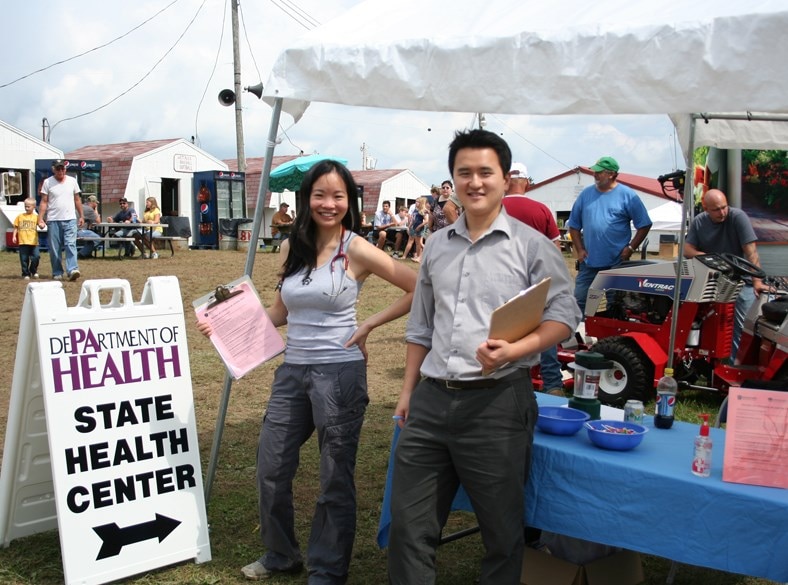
column 106, row 231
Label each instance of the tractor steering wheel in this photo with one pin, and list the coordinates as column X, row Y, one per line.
column 742, row 266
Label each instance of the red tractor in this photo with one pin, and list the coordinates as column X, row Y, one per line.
column 630, row 310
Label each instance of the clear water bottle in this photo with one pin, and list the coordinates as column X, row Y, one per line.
column 667, row 388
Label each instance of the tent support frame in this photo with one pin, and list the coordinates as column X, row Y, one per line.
column 688, row 203
column 687, row 207
column 256, row 227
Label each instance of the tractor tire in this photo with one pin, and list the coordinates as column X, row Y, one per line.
column 632, row 375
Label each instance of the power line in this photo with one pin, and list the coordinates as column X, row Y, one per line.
column 284, row 131
column 248, row 44
column 177, row 41
column 207, row 83
column 532, row 144
column 296, row 8
column 310, row 22
column 259, row 76
column 144, row 22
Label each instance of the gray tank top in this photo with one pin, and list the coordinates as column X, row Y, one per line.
column 321, row 313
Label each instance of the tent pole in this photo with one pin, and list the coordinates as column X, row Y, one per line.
column 258, row 217
column 263, row 189
column 686, row 208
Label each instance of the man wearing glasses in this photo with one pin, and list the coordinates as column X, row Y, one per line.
column 722, row 229
column 126, row 215
column 60, row 212
column 599, row 225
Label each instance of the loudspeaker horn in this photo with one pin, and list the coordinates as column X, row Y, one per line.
column 256, row 90
column 227, row 97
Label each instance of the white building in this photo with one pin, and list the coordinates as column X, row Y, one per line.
column 398, row 186
column 155, row 168
column 18, row 154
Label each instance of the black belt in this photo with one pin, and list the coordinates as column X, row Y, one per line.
column 476, row 384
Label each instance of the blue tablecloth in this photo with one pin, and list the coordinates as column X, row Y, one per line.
column 649, row 501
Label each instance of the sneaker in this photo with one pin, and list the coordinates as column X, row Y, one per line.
column 58, row 277
column 395, row 255
column 256, row 571
column 154, row 255
column 35, row 275
column 73, row 275
column 145, row 255
column 26, row 277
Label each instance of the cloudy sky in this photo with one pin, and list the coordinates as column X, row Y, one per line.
column 162, row 78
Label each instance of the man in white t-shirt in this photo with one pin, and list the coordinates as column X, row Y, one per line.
column 60, row 212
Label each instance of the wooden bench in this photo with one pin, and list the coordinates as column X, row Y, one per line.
column 172, row 225
column 106, row 240
column 168, row 240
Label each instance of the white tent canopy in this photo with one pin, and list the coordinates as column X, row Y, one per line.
column 568, row 57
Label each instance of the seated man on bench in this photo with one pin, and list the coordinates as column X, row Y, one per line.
column 280, row 225
column 384, row 220
column 87, row 233
column 126, row 215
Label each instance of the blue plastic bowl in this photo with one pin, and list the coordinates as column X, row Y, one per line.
column 601, row 435
column 560, row 420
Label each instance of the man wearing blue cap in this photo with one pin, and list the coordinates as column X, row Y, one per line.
column 599, row 225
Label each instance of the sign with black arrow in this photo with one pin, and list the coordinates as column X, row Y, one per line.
column 114, row 538
column 120, row 442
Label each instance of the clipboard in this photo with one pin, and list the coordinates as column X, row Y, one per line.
column 521, row 314
column 243, row 334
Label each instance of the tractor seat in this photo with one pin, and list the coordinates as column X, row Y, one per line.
column 776, row 310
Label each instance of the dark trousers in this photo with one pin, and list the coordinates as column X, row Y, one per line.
column 28, row 258
column 330, row 399
column 481, row 438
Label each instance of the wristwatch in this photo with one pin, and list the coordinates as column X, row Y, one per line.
column 631, row 249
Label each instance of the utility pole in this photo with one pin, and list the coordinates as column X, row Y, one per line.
column 239, row 124
column 368, row 163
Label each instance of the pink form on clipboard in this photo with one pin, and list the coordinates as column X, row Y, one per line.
column 243, row 334
column 756, row 438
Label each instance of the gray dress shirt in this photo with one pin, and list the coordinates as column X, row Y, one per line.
column 461, row 282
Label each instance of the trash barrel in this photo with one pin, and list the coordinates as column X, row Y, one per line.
column 228, row 234
column 245, row 234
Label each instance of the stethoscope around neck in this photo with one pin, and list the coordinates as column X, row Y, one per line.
column 341, row 256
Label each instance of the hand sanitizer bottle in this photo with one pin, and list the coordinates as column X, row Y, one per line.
column 701, row 462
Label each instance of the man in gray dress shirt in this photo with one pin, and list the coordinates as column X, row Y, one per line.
column 459, row 425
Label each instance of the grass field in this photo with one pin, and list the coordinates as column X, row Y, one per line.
column 232, row 511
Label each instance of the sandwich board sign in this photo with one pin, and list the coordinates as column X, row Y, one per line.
column 101, row 440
